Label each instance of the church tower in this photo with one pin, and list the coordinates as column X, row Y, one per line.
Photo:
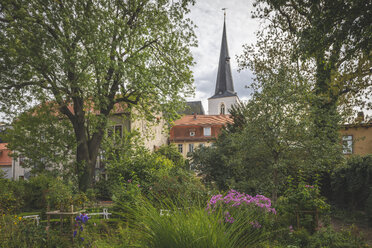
column 224, row 96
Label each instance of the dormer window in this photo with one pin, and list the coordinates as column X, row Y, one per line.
column 222, row 109
column 192, row 133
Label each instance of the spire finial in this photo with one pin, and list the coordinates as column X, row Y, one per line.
column 224, row 13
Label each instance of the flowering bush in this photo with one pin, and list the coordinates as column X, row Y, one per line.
column 253, row 213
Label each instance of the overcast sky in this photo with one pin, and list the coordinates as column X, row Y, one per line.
column 240, row 29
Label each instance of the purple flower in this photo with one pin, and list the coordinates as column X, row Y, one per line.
column 255, row 224
column 75, row 232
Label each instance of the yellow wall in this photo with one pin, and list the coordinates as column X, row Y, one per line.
column 362, row 139
column 186, row 146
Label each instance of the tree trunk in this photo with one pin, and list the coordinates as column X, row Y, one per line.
column 87, row 146
column 275, row 182
column 86, row 156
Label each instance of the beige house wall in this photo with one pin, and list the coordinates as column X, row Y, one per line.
column 362, row 139
column 153, row 133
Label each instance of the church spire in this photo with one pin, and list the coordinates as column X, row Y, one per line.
column 224, row 82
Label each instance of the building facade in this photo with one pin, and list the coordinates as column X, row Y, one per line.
column 192, row 131
column 356, row 139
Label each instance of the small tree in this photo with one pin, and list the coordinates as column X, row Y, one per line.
column 43, row 141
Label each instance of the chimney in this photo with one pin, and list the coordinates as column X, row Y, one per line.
column 360, row 117
column 194, row 116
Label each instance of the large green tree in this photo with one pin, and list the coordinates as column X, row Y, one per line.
column 89, row 56
column 335, row 37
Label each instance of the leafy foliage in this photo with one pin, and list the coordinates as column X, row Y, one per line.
column 171, row 152
column 43, row 140
column 303, row 206
column 334, row 36
column 11, row 196
column 352, row 183
column 88, row 57
column 273, row 136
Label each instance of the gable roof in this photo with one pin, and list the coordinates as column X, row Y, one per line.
column 204, row 120
column 193, row 107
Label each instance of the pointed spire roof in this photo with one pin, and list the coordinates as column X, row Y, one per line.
column 224, row 82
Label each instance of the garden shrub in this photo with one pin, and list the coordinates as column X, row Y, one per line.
column 301, row 205
column 179, row 184
column 60, row 196
column 103, row 189
column 11, row 196
column 368, row 208
column 171, row 152
column 328, row 237
column 352, row 183
column 36, row 191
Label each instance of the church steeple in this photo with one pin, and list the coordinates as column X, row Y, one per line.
column 224, row 96
column 224, row 82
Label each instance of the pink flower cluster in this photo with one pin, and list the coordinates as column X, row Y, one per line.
column 236, row 199
column 229, row 218
column 309, row 186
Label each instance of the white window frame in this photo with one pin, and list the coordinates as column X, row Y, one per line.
column 191, row 147
column 192, row 133
column 180, row 148
column 207, row 133
column 347, row 144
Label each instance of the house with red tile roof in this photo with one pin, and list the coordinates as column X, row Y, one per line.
column 192, row 131
column 5, row 160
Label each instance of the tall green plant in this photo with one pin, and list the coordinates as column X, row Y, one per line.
column 192, row 228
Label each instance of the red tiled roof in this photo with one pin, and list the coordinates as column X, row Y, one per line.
column 3, row 146
column 203, row 120
column 119, row 108
column 5, row 159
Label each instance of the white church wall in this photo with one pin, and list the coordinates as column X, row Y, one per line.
column 214, row 104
